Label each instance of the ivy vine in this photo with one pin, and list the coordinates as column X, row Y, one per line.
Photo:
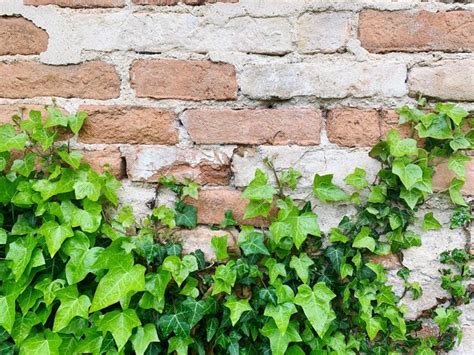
column 79, row 275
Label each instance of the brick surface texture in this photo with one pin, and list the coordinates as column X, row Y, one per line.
column 206, row 89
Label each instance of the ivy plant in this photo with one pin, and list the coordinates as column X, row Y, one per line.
column 79, row 275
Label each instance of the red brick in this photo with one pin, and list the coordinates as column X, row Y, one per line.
column 77, row 3
column 443, row 176
column 21, row 36
column 280, row 126
column 353, row 127
column 416, row 31
column 175, row 2
column 7, row 111
column 389, row 262
column 109, row 156
column 92, row 80
column 212, row 205
column 183, row 79
column 128, row 125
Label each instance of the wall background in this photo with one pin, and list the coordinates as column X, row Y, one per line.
column 206, row 88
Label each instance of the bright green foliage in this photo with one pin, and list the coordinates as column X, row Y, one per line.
column 80, row 276
column 219, row 244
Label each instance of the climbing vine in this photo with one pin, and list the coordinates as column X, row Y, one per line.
column 79, row 275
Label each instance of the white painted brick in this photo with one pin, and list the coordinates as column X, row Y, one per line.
column 145, row 161
column 323, row 32
column 447, row 80
column 324, row 78
column 308, row 160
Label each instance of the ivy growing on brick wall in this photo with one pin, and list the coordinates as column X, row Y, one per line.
column 78, row 275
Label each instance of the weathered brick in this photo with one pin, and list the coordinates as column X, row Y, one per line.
column 300, row 126
column 212, row 205
column 77, row 3
column 443, row 176
column 389, row 262
column 92, row 80
column 352, row 127
column 200, row 238
column 207, row 166
column 128, row 125
column 323, row 32
column 408, row 31
column 109, row 157
column 324, row 78
column 181, row 79
column 7, row 111
column 448, row 80
column 21, row 36
column 174, row 2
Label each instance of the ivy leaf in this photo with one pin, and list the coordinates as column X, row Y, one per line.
column 22, row 327
column 363, row 240
column 430, row 222
column 409, row 174
column 411, row 197
column 120, row 325
column 24, row 166
column 301, row 265
column 55, row 235
column 73, row 159
column 228, row 221
column 455, row 192
column 335, row 256
column 302, row 226
column 279, row 341
column 191, row 190
column 457, row 162
column 357, row 179
column 180, row 345
column 219, row 244
column 82, row 259
column 459, row 141
column 274, row 269
column 401, row 147
column 165, row 215
column 117, row 284
column 446, row 317
column 456, row 113
column 237, row 308
column 316, row 304
column 185, row 215
column 10, row 140
column 72, row 305
column 259, row 189
column 88, row 219
column 257, row 208
column 326, row 191
column 19, row 255
column 55, row 118
column 290, row 178
column 180, row 268
column 76, row 121
column 438, row 129
column 252, row 243
column 224, row 278
column 44, row 344
column 7, row 311
column 144, row 337
column 281, row 314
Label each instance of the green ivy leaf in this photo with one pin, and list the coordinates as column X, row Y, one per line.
column 82, row 259
column 274, row 269
column 180, row 268
column 10, row 140
column 72, row 305
column 257, row 208
column 302, row 226
column 357, row 179
column 185, row 215
column 409, row 174
column 438, row 129
column 316, row 304
column 143, row 337
column 459, row 141
column 326, row 191
column 7, row 311
column 301, row 265
column 281, row 314
column 55, row 235
column 456, row 113
column 457, row 162
column 363, row 240
column 237, row 308
column 19, row 255
column 180, row 345
column 73, row 158
column 55, row 118
column 25, row 166
column 259, row 189
column 224, row 278
column 120, row 325
column 47, row 343
column 279, row 341
column 117, row 284
column 455, row 192
column 445, row 317
column 430, row 222
column 219, row 244
column 252, row 243
column 411, row 197
column 401, row 147
column 76, row 121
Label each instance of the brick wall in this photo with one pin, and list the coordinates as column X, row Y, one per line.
column 206, row 88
